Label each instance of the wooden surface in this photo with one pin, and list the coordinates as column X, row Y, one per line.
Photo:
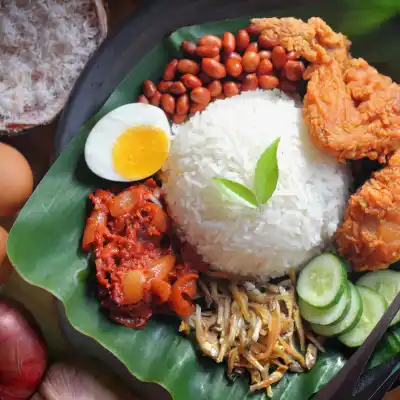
column 37, row 146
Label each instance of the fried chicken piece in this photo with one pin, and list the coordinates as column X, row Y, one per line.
column 360, row 118
column 370, row 234
column 352, row 112
column 363, row 80
column 313, row 40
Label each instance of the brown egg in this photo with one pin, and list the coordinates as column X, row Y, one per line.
column 16, row 180
column 5, row 265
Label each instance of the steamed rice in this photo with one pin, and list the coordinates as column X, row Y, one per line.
column 226, row 141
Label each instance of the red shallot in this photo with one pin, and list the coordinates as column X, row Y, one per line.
column 73, row 381
column 23, row 354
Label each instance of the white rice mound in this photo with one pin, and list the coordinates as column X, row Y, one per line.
column 226, row 141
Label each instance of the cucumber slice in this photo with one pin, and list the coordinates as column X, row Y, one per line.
column 374, row 306
column 386, row 283
column 325, row 316
column 322, row 281
column 349, row 319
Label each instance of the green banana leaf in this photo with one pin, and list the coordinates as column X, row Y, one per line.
column 44, row 243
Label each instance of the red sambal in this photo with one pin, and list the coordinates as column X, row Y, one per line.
column 137, row 268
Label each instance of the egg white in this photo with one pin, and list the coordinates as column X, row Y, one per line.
column 101, row 139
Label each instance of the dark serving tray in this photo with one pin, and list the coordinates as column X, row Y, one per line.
column 151, row 22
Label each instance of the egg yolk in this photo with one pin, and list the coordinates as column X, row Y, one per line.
column 140, row 151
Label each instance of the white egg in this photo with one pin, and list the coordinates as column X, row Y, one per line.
column 150, row 147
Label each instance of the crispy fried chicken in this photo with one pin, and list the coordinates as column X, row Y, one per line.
column 353, row 112
column 357, row 119
column 313, row 40
column 370, row 234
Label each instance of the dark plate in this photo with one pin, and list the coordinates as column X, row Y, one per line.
column 153, row 20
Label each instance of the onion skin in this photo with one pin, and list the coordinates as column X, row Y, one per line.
column 23, row 354
column 74, row 381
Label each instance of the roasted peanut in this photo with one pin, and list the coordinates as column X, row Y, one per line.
column 250, row 61
column 201, row 95
column 155, row 100
column 163, row 86
column 231, row 54
column 252, row 47
column 177, row 88
column 149, row 88
column 179, row 118
column 196, row 107
column 207, row 51
column 278, row 57
column 210, row 40
column 217, row 58
column 213, row 68
column 231, row 89
column 291, row 55
column 215, row 88
column 228, row 42
column 182, row 104
column 287, row 86
column 242, row 40
column 266, row 42
column 250, row 82
column 186, row 66
column 294, row 70
column 189, row 47
column 252, row 30
column 170, row 70
column 220, row 96
column 265, row 67
column 205, row 78
column 268, row 81
column 234, row 67
column 191, row 81
column 167, row 103
column 143, row 99
column 265, row 54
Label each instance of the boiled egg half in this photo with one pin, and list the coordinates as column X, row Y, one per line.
column 129, row 143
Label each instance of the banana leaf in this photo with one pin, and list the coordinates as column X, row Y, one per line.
column 44, row 243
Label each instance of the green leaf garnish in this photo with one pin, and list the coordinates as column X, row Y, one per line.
column 238, row 191
column 267, row 173
column 265, row 180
